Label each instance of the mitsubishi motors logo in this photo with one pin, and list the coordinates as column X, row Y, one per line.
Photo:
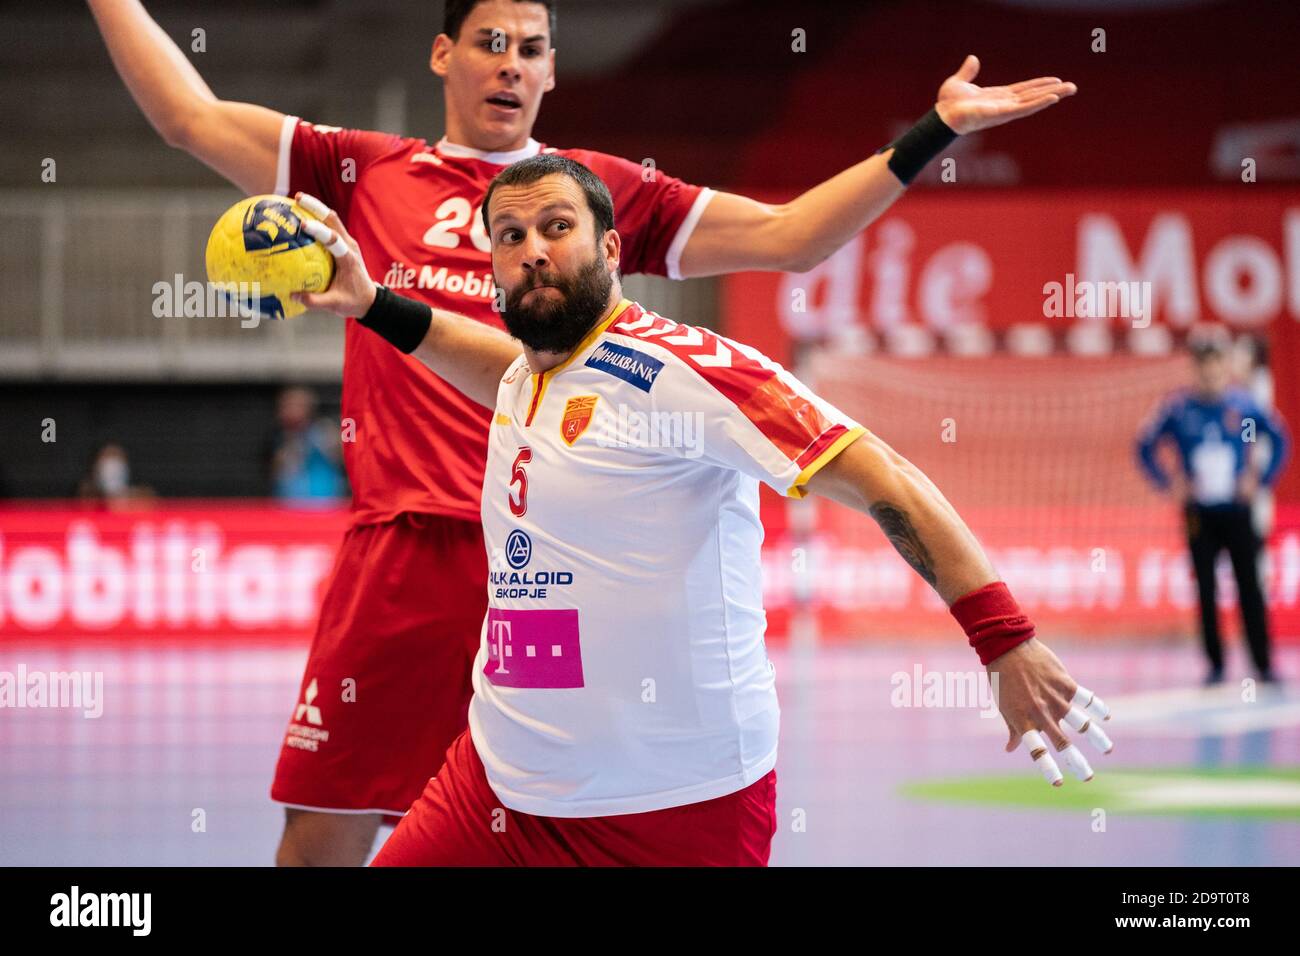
column 307, row 708
column 305, row 730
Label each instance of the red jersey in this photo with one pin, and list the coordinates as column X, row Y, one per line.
column 412, row 442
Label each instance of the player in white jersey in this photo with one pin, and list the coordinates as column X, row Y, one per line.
column 647, row 624
column 624, row 707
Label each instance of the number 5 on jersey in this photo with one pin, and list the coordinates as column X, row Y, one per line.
column 519, row 505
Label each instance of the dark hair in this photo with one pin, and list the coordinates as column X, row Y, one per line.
column 1210, row 342
column 537, row 167
column 458, row 11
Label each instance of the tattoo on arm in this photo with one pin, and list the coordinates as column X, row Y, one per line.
column 898, row 529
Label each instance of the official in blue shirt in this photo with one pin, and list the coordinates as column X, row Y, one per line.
column 1216, row 429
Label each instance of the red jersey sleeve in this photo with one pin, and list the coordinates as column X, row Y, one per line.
column 653, row 212
column 327, row 161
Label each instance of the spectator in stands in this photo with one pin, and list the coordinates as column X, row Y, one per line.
column 305, row 452
column 1215, row 428
column 108, row 479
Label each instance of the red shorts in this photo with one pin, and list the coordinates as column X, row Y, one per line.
column 459, row 821
column 387, row 684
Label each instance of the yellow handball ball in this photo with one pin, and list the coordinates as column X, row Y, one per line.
column 258, row 254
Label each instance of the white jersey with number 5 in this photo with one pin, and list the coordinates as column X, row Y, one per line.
column 622, row 667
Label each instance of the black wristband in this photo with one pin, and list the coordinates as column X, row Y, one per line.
column 402, row 321
column 918, row 146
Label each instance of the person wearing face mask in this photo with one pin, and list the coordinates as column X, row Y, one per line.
column 108, row 479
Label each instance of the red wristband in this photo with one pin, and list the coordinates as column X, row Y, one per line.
column 992, row 621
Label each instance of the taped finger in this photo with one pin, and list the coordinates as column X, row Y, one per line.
column 1039, row 753
column 1090, row 703
column 313, row 205
column 1076, row 763
column 1079, row 721
column 326, row 237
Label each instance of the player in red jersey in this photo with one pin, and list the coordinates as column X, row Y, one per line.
column 387, row 683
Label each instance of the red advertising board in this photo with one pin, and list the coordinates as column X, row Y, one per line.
column 177, row 571
column 1116, row 574
column 233, row 571
column 940, row 259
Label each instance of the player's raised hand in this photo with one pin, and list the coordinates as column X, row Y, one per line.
column 352, row 291
column 966, row 107
column 1035, row 694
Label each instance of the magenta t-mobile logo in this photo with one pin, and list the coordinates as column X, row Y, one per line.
column 533, row 648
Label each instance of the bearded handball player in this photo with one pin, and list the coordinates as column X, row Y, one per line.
column 418, row 448
column 625, row 562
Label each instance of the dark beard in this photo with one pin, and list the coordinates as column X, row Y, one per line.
column 547, row 326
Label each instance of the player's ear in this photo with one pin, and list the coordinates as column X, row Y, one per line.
column 611, row 246
column 550, row 75
column 438, row 56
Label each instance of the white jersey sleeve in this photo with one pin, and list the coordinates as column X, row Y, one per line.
column 746, row 411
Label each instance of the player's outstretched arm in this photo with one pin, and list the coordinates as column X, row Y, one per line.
column 470, row 356
column 737, row 233
column 871, row 477
column 238, row 140
column 1033, row 689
